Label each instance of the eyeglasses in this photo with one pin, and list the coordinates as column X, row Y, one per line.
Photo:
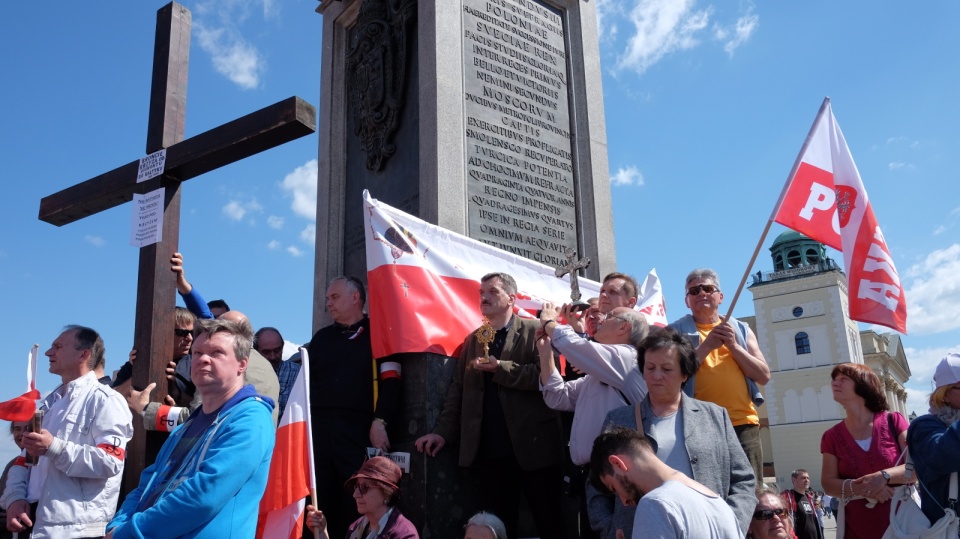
column 362, row 487
column 708, row 288
column 183, row 332
column 767, row 514
column 611, row 317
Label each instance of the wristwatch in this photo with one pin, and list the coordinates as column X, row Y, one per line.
column 885, row 475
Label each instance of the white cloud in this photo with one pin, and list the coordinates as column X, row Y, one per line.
column 274, row 245
column 96, row 241
column 934, row 292
column 231, row 55
column 900, row 164
column 627, row 176
column 661, row 27
column 301, row 185
column 741, row 33
column 294, row 251
column 939, row 230
column 955, row 211
column 237, row 210
column 309, row 234
column 275, row 222
column 606, row 24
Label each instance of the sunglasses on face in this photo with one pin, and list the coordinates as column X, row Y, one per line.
column 182, row 332
column 767, row 514
column 363, row 488
column 708, row 288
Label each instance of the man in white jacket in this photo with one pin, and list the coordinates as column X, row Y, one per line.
column 81, row 448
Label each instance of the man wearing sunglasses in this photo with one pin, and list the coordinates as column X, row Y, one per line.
column 731, row 363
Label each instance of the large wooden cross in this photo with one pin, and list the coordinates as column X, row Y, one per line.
column 277, row 124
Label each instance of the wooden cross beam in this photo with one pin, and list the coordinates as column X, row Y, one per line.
column 277, row 124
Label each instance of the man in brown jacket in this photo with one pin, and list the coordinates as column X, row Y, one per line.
column 494, row 409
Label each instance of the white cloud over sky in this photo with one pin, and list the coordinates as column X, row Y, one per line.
column 627, row 176
column 309, row 234
column 294, row 251
column 96, row 241
column 933, row 292
column 301, row 186
column 275, row 222
column 218, row 30
column 659, row 28
column 236, row 210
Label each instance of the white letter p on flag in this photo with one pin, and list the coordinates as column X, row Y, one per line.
column 821, row 198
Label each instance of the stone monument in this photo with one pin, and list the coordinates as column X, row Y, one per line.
column 482, row 116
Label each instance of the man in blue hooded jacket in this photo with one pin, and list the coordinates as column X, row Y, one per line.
column 211, row 473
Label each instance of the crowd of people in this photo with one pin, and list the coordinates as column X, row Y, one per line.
column 654, row 430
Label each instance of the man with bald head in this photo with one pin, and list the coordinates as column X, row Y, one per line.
column 269, row 343
column 353, row 398
column 611, row 380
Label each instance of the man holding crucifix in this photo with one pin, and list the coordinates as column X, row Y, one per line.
column 494, row 409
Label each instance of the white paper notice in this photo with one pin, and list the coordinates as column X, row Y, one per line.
column 146, row 227
column 152, row 165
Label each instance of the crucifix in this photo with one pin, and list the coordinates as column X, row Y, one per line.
column 571, row 267
column 272, row 126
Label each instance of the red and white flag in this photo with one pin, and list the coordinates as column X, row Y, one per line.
column 650, row 300
column 23, row 407
column 291, row 468
column 423, row 282
column 825, row 200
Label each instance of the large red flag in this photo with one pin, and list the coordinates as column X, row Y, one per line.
column 825, row 200
column 291, row 468
column 23, row 407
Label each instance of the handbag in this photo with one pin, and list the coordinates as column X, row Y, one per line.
column 907, row 521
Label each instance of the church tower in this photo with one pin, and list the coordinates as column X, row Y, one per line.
column 804, row 329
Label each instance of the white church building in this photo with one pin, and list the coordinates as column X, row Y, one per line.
column 803, row 326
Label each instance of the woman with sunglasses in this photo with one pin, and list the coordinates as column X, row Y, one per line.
column 860, row 453
column 771, row 520
column 376, row 494
column 934, row 439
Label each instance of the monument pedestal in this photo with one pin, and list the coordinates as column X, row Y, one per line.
column 484, row 117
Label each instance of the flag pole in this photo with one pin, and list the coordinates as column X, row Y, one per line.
column 305, row 365
column 776, row 209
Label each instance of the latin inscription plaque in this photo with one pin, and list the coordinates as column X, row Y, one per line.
column 520, row 179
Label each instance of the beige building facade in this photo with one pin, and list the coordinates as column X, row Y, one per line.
column 803, row 327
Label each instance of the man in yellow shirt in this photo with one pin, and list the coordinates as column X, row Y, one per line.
column 731, row 363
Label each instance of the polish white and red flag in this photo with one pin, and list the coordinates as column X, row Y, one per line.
column 825, row 199
column 650, row 300
column 291, row 477
column 23, row 407
column 423, row 282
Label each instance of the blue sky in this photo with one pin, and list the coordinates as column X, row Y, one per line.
column 707, row 105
